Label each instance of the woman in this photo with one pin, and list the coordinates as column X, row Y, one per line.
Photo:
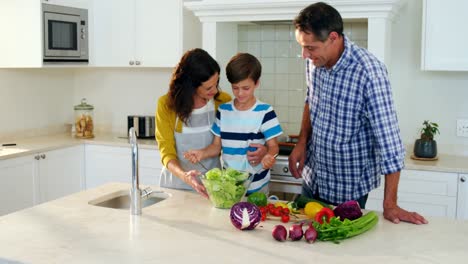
column 184, row 117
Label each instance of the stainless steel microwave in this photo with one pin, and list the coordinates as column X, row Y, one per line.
column 65, row 32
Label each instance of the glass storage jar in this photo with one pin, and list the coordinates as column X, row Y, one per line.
column 84, row 123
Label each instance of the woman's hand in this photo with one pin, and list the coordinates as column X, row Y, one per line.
column 191, row 178
column 255, row 157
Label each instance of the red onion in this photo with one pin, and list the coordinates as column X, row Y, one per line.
column 295, row 232
column 310, row 234
column 279, row 233
column 245, row 216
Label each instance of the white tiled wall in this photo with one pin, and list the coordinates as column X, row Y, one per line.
column 283, row 80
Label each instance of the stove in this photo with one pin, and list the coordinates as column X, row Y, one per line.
column 282, row 179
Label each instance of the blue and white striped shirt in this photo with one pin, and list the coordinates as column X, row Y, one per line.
column 355, row 134
column 238, row 129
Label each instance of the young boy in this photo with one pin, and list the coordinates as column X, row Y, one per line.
column 241, row 122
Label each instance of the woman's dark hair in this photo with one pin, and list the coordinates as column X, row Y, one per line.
column 243, row 66
column 195, row 67
column 320, row 19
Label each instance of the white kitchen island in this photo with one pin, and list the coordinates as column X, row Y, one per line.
column 185, row 228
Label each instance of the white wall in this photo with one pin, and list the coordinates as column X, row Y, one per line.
column 35, row 101
column 117, row 93
column 282, row 83
column 440, row 97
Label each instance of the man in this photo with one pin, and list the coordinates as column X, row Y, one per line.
column 349, row 133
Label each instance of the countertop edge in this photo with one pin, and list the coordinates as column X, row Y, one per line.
column 29, row 146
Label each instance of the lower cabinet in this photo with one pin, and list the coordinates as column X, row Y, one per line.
column 60, row 172
column 18, row 189
column 426, row 192
column 38, row 178
column 114, row 164
column 462, row 202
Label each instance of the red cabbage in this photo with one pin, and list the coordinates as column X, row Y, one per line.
column 245, row 216
column 348, row 210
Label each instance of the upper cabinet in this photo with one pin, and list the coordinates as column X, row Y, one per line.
column 70, row 3
column 21, row 24
column 444, row 37
column 137, row 33
column 121, row 33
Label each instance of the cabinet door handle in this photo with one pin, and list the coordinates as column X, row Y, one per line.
column 43, row 156
column 37, row 157
column 462, row 179
column 131, row 62
column 137, row 62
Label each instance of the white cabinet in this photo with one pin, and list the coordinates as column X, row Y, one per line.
column 107, row 164
column 60, row 172
column 137, row 33
column 70, row 3
column 150, row 166
column 21, row 45
column 462, row 202
column 426, row 192
column 17, row 188
column 442, row 19
column 21, row 42
column 114, row 164
column 38, row 178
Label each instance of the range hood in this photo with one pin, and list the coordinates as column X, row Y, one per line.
column 379, row 15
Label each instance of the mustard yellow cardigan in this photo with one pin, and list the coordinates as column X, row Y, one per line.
column 165, row 124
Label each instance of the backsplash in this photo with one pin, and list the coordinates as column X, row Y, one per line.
column 283, row 81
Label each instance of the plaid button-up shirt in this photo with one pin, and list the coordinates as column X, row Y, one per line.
column 355, row 134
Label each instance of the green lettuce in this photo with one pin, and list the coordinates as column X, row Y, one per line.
column 226, row 187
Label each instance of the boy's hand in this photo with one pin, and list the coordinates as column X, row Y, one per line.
column 268, row 161
column 193, row 156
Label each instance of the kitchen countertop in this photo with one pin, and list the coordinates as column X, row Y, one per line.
column 445, row 163
column 185, row 228
column 46, row 143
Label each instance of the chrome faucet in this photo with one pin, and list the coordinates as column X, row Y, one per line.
column 136, row 194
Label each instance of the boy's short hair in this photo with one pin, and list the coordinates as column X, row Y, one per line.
column 243, row 66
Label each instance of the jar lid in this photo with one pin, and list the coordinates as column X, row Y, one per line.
column 84, row 105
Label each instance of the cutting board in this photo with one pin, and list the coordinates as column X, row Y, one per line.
column 292, row 217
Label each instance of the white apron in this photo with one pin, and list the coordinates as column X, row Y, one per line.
column 197, row 139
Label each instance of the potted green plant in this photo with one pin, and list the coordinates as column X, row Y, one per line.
column 426, row 146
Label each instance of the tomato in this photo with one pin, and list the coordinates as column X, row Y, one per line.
column 276, row 211
column 264, row 215
column 285, row 218
column 286, row 211
column 271, row 210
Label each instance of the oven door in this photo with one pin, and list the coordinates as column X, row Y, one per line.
column 282, row 179
column 61, row 35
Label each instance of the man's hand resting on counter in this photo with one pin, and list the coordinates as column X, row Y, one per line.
column 396, row 214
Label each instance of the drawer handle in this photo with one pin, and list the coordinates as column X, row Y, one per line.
column 285, row 182
column 462, row 179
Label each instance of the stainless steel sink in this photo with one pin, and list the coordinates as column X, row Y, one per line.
column 122, row 200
